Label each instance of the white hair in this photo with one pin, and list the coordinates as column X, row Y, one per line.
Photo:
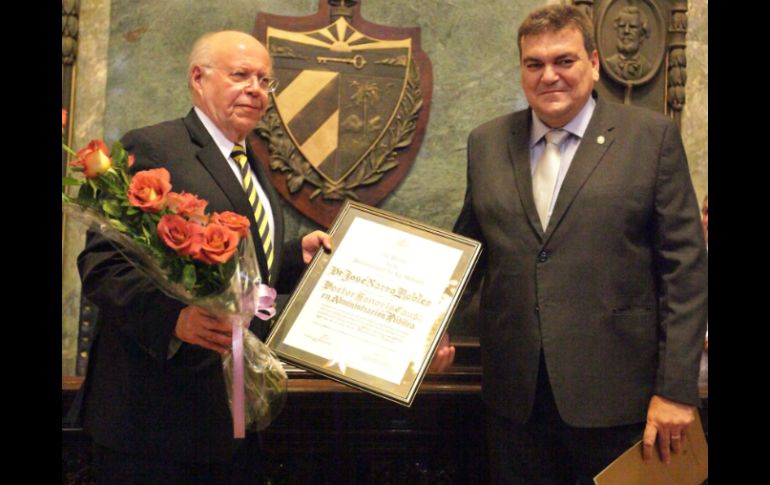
column 200, row 54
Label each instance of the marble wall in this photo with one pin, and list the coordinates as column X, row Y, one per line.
column 87, row 121
column 695, row 127
column 132, row 67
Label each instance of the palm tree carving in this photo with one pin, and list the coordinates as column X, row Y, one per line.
column 367, row 93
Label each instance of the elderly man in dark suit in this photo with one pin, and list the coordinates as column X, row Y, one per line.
column 594, row 272
column 154, row 398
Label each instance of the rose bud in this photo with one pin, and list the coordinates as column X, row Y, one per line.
column 94, row 159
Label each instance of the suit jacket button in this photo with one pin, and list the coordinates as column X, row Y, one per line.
column 537, row 308
column 542, row 257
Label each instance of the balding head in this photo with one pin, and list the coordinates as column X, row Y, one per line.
column 208, row 45
column 222, row 72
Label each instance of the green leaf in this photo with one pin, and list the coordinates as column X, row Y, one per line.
column 111, row 207
column 118, row 225
column 118, row 155
column 94, row 185
column 188, row 276
column 149, row 222
column 69, row 181
column 132, row 211
column 145, row 232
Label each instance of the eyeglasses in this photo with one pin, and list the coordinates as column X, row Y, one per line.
column 246, row 78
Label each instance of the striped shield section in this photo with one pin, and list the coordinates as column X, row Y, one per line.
column 339, row 91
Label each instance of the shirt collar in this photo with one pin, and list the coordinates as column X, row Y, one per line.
column 577, row 125
column 224, row 145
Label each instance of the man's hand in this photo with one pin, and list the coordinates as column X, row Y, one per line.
column 313, row 241
column 197, row 327
column 667, row 420
column 444, row 356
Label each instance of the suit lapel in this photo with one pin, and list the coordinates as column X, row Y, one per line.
column 518, row 151
column 211, row 158
column 598, row 137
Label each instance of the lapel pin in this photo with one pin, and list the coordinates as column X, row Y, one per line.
column 600, row 140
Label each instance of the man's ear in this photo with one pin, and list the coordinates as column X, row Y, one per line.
column 196, row 74
column 594, row 58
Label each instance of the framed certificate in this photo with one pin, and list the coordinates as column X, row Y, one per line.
column 371, row 313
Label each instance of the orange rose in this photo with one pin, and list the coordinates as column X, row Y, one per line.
column 149, row 188
column 189, row 206
column 182, row 236
column 63, row 119
column 94, row 159
column 218, row 244
column 131, row 160
column 232, row 221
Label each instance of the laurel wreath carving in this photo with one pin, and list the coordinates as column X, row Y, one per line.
column 286, row 158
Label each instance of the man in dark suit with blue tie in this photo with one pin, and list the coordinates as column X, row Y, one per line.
column 594, row 272
column 154, row 398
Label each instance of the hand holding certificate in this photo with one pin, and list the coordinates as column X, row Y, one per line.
column 372, row 313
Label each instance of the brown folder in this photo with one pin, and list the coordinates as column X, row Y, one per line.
column 688, row 467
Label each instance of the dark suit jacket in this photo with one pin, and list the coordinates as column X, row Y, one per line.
column 614, row 292
column 135, row 400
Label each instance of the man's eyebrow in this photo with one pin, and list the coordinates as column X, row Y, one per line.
column 558, row 58
column 567, row 54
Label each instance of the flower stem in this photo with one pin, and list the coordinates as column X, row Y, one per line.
column 69, row 150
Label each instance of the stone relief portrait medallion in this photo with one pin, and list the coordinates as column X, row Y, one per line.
column 631, row 40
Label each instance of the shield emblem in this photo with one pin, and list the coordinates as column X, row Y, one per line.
column 339, row 90
column 350, row 110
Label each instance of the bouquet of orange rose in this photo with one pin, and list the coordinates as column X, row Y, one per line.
column 205, row 260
